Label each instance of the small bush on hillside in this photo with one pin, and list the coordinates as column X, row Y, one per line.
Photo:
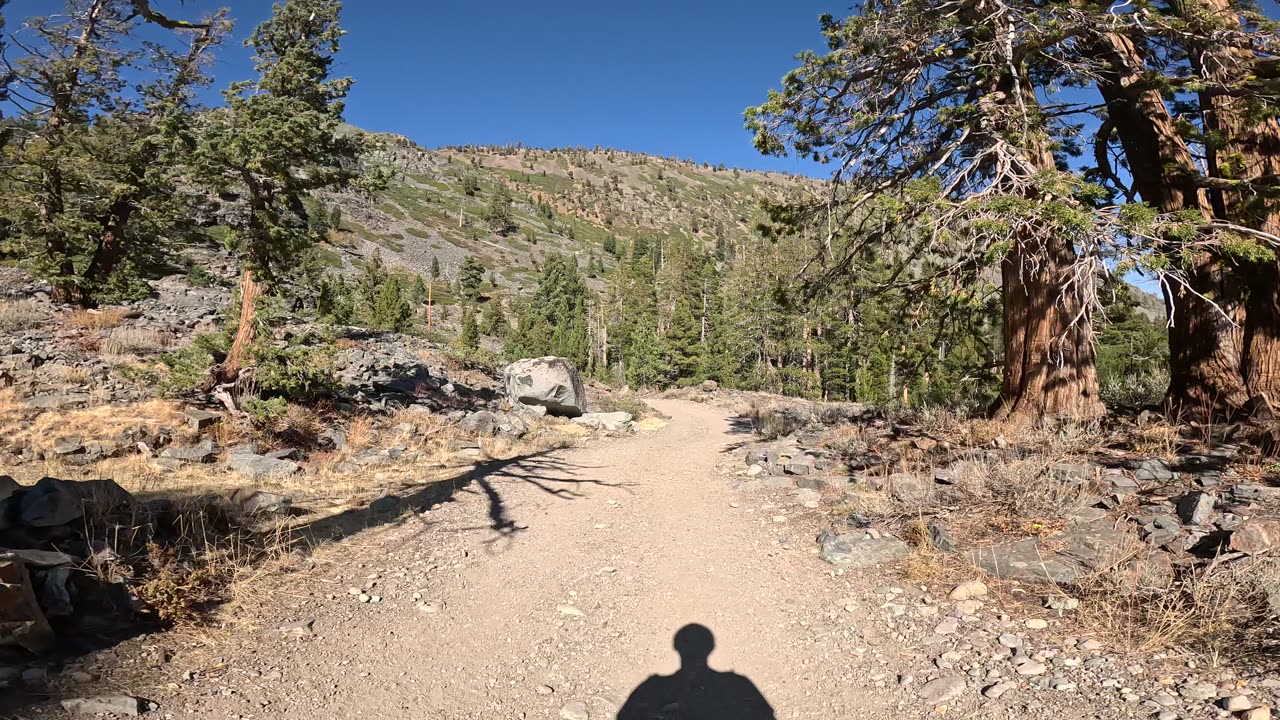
column 20, row 315
column 625, row 402
column 184, row 371
column 298, row 369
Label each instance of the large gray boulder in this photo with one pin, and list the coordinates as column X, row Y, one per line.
column 552, row 382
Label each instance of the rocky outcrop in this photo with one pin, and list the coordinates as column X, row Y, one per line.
column 551, row 382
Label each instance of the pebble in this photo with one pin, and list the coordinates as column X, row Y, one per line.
column 998, row 689
column 936, row 692
column 1258, row 713
column 1166, row 715
column 570, row 610
column 1238, row 703
column 969, row 590
column 1010, row 641
column 947, row 627
column 576, row 710
column 1037, row 624
column 1031, row 668
column 545, row 690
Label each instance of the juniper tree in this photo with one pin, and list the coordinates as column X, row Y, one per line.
column 277, row 140
column 89, row 155
column 498, row 213
column 470, row 278
column 929, row 109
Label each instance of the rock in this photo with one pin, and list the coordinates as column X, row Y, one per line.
column 940, row 538
column 1061, row 559
column 1237, row 703
column 257, row 501
column 68, row 446
column 1013, row 642
column 105, row 705
column 576, row 710
column 8, row 486
column 1256, row 535
column 797, row 468
column 1195, row 508
column 1258, row 713
column 859, row 550
column 969, row 590
column 544, row 690
column 22, row 622
column 203, row 452
column 52, row 502
column 481, row 423
column 256, row 466
column 936, row 692
column 608, row 422
column 947, row 627
column 1031, row 668
column 1037, row 624
column 709, row 386
column 39, row 558
column 998, row 689
column 1152, row 470
column 551, row 382
column 1199, row 691
column 200, row 419
column 1062, row 603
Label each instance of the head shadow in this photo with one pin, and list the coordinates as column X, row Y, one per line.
column 695, row 691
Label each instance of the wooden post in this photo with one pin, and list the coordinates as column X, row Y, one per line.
column 430, row 286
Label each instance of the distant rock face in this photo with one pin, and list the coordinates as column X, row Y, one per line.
column 551, row 382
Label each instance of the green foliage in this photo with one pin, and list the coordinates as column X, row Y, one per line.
column 1133, row 351
column 469, row 335
column 335, row 301
column 391, row 309
column 470, row 184
column 492, row 322
column 498, row 214
column 435, row 268
column 554, row 322
column 470, row 277
column 279, row 138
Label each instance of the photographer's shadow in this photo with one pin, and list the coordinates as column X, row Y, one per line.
column 695, row 691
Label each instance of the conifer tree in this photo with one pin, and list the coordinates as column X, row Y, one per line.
column 277, row 140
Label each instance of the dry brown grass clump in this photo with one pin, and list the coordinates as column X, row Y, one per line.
column 21, row 315
column 101, row 319
column 135, row 341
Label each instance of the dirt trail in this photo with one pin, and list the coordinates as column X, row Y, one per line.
column 590, row 561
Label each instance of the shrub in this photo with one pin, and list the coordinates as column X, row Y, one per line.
column 20, row 315
column 98, row 319
column 134, row 341
column 185, row 370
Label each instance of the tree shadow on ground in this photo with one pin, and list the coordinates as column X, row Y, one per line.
column 695, row 691
column 545, row 471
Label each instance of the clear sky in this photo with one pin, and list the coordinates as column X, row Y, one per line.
column 669, row 77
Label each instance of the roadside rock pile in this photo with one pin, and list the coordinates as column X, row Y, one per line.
column 56, row 579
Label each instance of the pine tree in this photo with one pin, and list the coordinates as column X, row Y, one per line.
column 435, row 268
column 469, row 336
column 470, row 277
column 498, row 214
column 391, row 309
column 492, row 322
column 276, row 141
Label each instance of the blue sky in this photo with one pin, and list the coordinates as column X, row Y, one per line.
column 668, row 77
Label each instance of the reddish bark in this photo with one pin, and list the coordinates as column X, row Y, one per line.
column 250, row 292
column 1205, row 342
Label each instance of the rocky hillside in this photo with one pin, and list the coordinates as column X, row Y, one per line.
column 564, row 201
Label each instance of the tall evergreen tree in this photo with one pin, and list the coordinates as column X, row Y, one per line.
column 277, row 140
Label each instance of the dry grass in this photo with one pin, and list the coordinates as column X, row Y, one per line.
column 103, row 319
column 135, row 341
column 1211, row 611
column 92, row 424
column 21, row 315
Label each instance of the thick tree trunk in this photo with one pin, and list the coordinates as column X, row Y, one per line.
column 1205, row 342
column 1253, row 146
column 250, row 291
column 1049, row 357
column 1049, row 360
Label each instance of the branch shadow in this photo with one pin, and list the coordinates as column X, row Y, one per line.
column 544, row 470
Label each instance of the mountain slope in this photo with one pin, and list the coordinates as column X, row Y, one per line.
column 565, row 200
